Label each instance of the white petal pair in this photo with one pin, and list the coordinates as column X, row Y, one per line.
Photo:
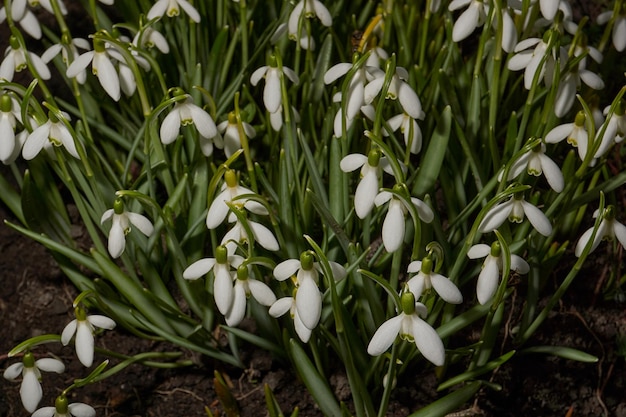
column 84, row 330
column 515, row 209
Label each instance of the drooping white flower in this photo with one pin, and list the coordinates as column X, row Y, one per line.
column 425, row 279
column 308, row 9
column 409, row 324
column 609, row 229
column 536, row 162
column 371, row 168
column 30, row 370
column 84, row 327
column 237, row 234
column 24, row 17
column 231, row 134
column 231, row 190
column 185, row 113
column 149, row 38
column 489, row 277
column 272, row 93
column 69, row 52
column 410, row 130
column 245, row 286
column 619, row 28
column 529, row 54
column 10, row 114
column 473, row 17
column 288, row 304
column 515, row 209
column 121, row 226
column 576, row 134
column 570, row 82
column 223, row 266
column 308, row 299
column 101, row 66
column 53, row 131
column 394, row 223
column 63, row 409
column 612, row 131
column 398, row 89
column 172, row 8
column 15, row 61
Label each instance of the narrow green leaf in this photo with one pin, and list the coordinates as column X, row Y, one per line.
column 563, row 352
column 450, row 402
column 433, row 158
column 488, row 367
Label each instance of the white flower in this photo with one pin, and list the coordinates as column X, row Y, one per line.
column 53, row 131
column 308, row 9
column 536, row 162
column 26, row 19
column 576, row 134
column 398, row 89
column 121, row 226
column 276, row 119
column 185, row 113
column 409, row 128
column 530, row 60
column 515, row 209
column 69, row 52
column 246, row 286
column 63, row 409
column 613, row 130
column 489, row 276
column 308, row 299
column 609, row 229
column 549, row 8
column 150, row 38
column 371, row 167
column 231, row 135
column 231, row 190
column 172, row 8
column 84, row 326
column 222, row 266
column 15, row 61
column 272, row 93
column 619, row 28
column 9, row 114
column 101, row 67
column 393, row 225
column 427, row 279
column 262, row 235
column 29, row 368
column 469, row 20
column 410, row 326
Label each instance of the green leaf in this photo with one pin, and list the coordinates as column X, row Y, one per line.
column 489, row 366
column 450, row 402
column 433, row 158
column 562, row 352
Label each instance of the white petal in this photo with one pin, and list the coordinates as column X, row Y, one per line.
column 50, row 365
column 35, row 142
column 549, row 8
column 536, row 217
column 410, row 101
column 264, row 236
column 488, row 279
column 190, row 10
column 365, row 194
column 393, row 227
column 565, row 95
column 322, row 13
column 238, row 309
column 424, row 212
column 478, row 251
column 218, row 210
column 7, row 144
column 416, row 285
column 458, row 4
column 258, row 74
column 309, row 303
column 117, row 240
column 106, row 75
column 385, row 336
column 158, row 9
column 100, row 321
column 286, row 269
column 338, row 271
column 619, row 34
column 519, row 265
column 291, row 75
column 30, row 391
column 382, row 198
column 303, row 332
column 84, row 344
column 582, row 242
column 203, row 121
column 223, row 289
column 446, row 289
column 519, row 61
column 495, row 217
column 294, row 17
column 509, row 32
column 552, row 172
column 170, row 127
column 81, row 410
column 336, row 71
column 592, row 79
column 559, row 133
column 428, row 342
column 271, row 92
column 13, row 371
column 352, row 162
column 372, row 89
column 68, row 332
column 466, row 23
column 141, row 222
column 261, row 292
column 281, row 306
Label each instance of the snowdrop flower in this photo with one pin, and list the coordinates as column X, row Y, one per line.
column 575, row 133
column 221, row 265
column 398, row 89
column 308, row 9
column 489, row 277
column 53, row 131
column 619, row 28
column 394, row 223
column 409, row 128
column 515, row 209
column 10, row 113
column 530, row 60
column 613, row 130
column 63, row 409
column 149, row 38
column 231, row 190
column 469, row 20
column 427, row 279
column 409, row 324
column 121, row 226
column 172, row 8
column 288, row 304
column 30, row 370
column 24, row 17
column 246, row 286
column 566, row 93
column 308, row 300
column 84, row 327
column 262, row 235
column 536, row 162
column 101, row 66
column 355, row 97
column 371, row 167
column 230, row 131
column 69, row 52
column 272, row 93
column 15, row 61
column 185, row 113
column 549, row 8
column 276, row 119
column 609, row 229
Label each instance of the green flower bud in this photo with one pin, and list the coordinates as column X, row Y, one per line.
column 118, row 206
column 221, row 254
column 5, row 103
column 230, row 176
column 495, row 249
column 407, row 302
column 373, row 158
column 306, row 260
column 427, row 265
column 242, row 272
column 61, row 405
column 28, row 360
